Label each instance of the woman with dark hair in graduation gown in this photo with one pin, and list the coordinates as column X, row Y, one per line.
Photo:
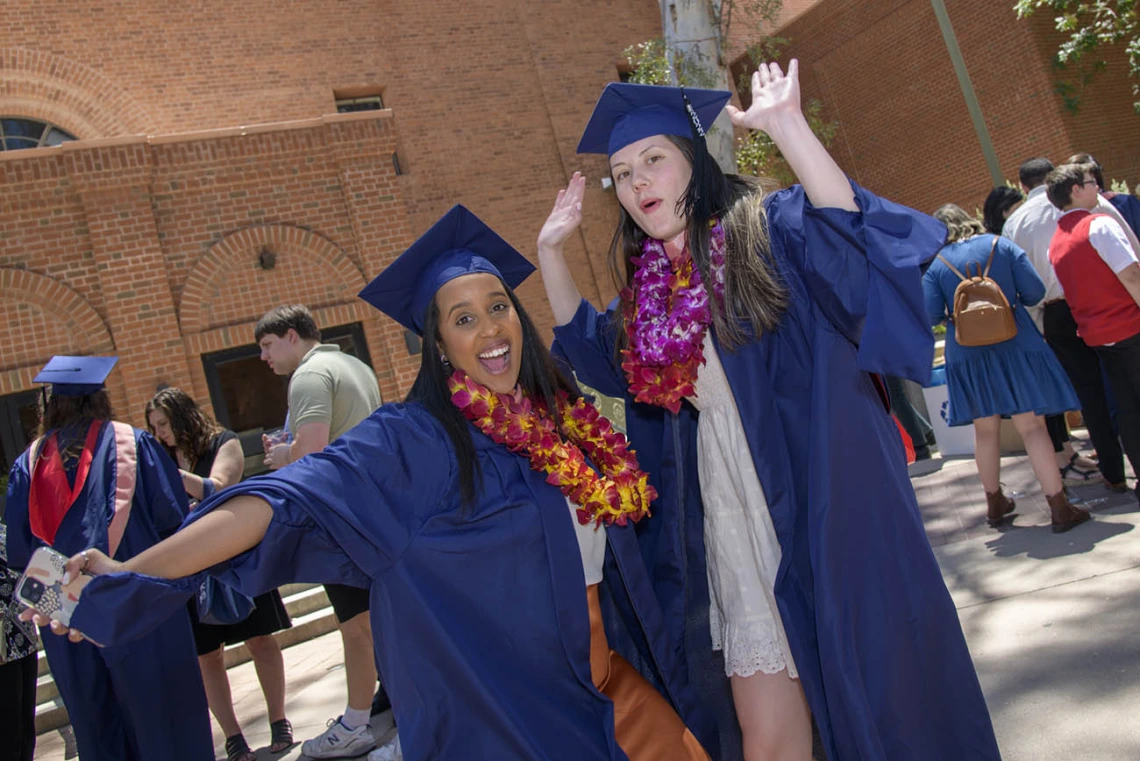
column 786, row 546
column 92, row 484
column 488, row 590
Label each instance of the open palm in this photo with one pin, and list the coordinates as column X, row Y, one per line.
column 775, row 95
column 565, row 216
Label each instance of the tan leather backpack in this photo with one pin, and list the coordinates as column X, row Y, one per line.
column 982, row 314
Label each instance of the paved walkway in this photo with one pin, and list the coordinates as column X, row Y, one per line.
column 1053, row 622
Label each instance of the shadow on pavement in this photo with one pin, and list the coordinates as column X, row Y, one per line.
column 1040, row 543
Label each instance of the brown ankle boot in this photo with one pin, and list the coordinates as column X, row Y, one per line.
column 1065, row 516
column 998, row 508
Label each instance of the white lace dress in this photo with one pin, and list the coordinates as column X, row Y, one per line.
column 740, row 541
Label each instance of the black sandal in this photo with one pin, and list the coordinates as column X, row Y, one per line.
column 1080, row 476
column 237, row 749
column 280, row 736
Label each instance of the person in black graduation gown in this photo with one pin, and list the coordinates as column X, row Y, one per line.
column 787, row 548
column 495, row 606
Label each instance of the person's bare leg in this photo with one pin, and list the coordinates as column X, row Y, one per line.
column 774, row 717
column 218, row 696
column 987, row 451
column 270, row 666
column 359, row 661
column 1039, row 448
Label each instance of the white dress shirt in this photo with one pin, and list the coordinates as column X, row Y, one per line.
column 1032, row 226
column 1107, row 236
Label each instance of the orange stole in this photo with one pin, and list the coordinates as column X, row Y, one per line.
column 645, row 725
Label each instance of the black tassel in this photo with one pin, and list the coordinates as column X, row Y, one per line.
column 708, row 191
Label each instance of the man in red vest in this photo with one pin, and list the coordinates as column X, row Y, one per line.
column 1098, row 270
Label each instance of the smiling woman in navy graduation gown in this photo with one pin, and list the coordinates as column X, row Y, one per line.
column 488, row 641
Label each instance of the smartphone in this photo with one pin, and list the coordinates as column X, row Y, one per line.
column 41, row 586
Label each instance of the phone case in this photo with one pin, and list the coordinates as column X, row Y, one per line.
column 41, row 586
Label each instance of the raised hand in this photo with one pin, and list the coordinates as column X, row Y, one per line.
column 775, row 97
column 564, row 217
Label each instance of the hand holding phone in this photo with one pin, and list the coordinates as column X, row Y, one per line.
column 42, row 587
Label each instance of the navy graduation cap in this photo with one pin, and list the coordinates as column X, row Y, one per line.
column 76, row 376
column 627, row 113
column 458, row 244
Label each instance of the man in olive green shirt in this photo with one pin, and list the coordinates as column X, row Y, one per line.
column 329, row 393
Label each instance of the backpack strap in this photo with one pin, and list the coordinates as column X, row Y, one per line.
column 990, row 262
column 952, row 267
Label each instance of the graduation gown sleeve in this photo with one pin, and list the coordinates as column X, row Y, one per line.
column 21, row 542
column 339, row 516
column 863, row 270
column 587, row 343
column 158, row 485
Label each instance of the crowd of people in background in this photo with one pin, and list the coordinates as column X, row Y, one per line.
column 116, row 702
column 1063, row 250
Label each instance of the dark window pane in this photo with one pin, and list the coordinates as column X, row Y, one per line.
column 22, row 128
column 29, row 417
column 18, row 143
column 254, row 396
column 369, row 103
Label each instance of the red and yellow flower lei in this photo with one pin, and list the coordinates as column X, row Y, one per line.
column 620, row 495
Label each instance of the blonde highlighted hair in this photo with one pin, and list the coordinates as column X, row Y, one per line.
column 959, row 224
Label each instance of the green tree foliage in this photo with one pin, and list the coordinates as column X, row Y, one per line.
column 1091, row 25
column 758, row 156
column 654, row 63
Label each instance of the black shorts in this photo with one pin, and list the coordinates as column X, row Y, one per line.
column 347, row 602
column 269, row 616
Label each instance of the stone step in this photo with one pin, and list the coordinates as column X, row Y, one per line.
column 308, row 607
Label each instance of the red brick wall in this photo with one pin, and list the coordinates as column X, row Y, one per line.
column 149, row 248
column 490, row 97
column 882, row 70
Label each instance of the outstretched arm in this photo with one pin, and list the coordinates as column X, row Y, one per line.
column 776, row 111
column 224, row 533
column 564, row 219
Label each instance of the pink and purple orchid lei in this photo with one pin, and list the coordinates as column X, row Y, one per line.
column 667, row 313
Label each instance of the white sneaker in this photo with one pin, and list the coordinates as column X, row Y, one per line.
column 338, row 741
column 389, row 751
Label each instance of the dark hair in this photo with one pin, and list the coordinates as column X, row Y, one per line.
column 755, row 297
column 63, row 411
column 998, row 202
column 1032, row 172
column 281, row 320
column 193, row 429
column 1093, row 164
column 539, row 378
column 1059, row 184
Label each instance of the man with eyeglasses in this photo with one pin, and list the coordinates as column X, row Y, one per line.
column 1031, row 226
column 1096, row 265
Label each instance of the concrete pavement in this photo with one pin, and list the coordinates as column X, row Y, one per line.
column 1053, row 622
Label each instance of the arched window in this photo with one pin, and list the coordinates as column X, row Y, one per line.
column 17, row 132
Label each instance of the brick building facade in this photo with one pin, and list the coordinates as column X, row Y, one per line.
column 882, row 70
column 168, row 227
column 148, row 236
